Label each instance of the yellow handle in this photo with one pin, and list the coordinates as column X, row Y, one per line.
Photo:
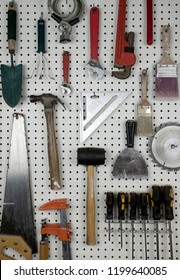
column 90, row 207
column 44, row 250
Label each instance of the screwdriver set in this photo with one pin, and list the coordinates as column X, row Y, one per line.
column 89, row 102
column 144, row 209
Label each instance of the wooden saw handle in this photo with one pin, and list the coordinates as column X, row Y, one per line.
column 17, row 243
column 52, row 150
column 90, row 207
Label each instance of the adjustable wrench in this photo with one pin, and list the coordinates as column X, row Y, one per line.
column 93, row 65
column 124, row 54
column 65, row 85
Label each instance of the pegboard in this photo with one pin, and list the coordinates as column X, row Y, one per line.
column 110, row 135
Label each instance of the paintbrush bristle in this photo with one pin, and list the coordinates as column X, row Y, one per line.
column 145, row 126
column 166, row 87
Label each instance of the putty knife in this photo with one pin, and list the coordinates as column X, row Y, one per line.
column 95, row 108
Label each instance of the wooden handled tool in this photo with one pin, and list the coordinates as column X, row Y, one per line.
column 90, row 157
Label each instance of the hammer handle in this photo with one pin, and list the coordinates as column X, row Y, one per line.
column 52, row 150
column 90, row 207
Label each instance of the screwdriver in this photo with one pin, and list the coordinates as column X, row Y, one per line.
column 110, row 207
column 121, row 203
column 156, row 200
column 144, row 206
column 133, row 203
column 168, row 199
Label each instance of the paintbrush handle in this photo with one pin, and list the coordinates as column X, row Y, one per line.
column 166, row 44
column 144, row 80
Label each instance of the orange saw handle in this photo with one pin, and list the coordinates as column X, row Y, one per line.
column 124, row 55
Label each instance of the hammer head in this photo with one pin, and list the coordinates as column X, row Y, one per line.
column 90, row 156
column 47, row 99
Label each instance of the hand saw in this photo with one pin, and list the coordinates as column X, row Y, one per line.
column 17, row 217
column 95, row 108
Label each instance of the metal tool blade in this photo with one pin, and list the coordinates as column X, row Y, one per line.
column 95, row 108
column 17, row 217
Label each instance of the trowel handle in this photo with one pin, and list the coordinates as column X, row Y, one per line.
column 130, row 131
column 52, row 150
column 90, row 207
column 11, row 27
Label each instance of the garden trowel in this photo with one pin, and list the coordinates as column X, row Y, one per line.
column 17, row 216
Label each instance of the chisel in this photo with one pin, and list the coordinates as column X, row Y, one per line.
column 133, row 203
column 168, row 198
column 109, row 209
column 144, row 205
column 121, row 203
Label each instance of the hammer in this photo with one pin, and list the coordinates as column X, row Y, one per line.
column 48, row 100
column 90, row 157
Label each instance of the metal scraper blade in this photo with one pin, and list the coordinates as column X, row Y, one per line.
column 17, row 217
column 95, row 108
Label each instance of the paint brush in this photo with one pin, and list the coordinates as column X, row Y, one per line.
column 144, row 110
column 166, row 83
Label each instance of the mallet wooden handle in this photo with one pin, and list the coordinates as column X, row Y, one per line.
column 52, row 150
column 90, row 207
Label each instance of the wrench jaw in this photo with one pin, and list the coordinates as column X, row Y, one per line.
column 66, row 90
column 94, row 67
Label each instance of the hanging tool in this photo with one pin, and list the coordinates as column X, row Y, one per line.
column 90, row 157
column 121, row 203
column 17, row 216
column 17, row 244
column 11, row 76
column 166, row 82
column 144, row 110
column 133, row 204
column 66, row 89
column 124, row 53
column 96, row 107
column 144, row 206
column 93, row 66
column 48, row 100
column 130, row 164
column 41, row 51
column 156, row 201
column 168, row 200
column 61, row 230
column 165, row 146
column 66, row 22
column 149, row 21
column 110, row 211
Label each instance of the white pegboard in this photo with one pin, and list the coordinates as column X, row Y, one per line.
column 110, row 135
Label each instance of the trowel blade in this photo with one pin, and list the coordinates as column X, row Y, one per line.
column 130, row 165
column 96, row 107
column 17, row 217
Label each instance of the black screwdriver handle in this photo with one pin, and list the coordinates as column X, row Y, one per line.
column 156, row 202
column 133, row 204
column 168, row 201
column 121, row 203
column 110, row 205
column 130, row 131
column 144, row 205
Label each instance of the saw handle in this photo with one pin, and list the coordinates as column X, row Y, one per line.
column 52, row 150
column 130, row 131
column 90, row 207
column 12, row 27
column 94, row 32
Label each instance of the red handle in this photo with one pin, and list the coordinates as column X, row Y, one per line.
column 94, row 31
column 66, row 66
column 149, row 11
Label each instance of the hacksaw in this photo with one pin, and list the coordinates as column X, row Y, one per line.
column 96, row 107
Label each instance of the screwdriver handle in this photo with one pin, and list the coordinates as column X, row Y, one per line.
column 121, row 203
column 133, row 203
column 110, row 205
column 168, row 200
column 156, row 200
column 144, row 205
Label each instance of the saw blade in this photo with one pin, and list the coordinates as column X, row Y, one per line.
column 165, row 146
